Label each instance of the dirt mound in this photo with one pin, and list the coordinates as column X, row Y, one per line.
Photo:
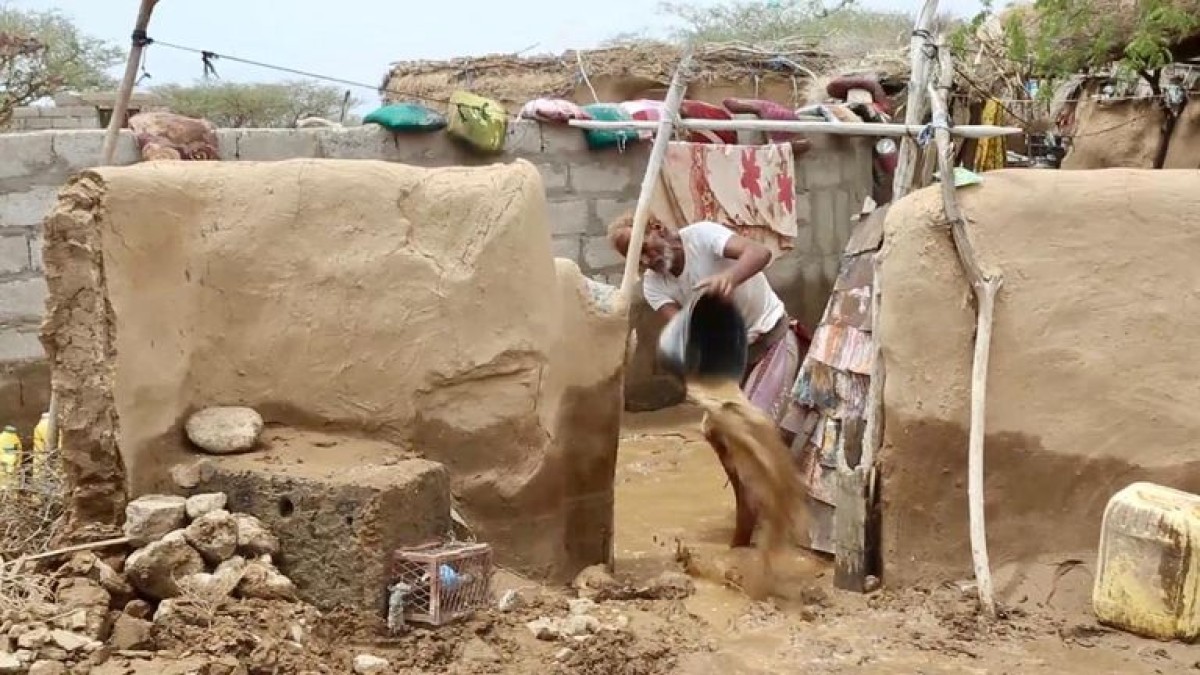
column 421, row 307
column 1093, row 368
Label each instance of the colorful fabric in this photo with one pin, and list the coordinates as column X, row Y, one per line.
column 767, row 110
column 555, row 110
column 990, row 154
column 646, row 110
column 406, row 117
column 750, row 189
column 707, row 111
column 164, row 135
column 599, row 139
column 769, row 384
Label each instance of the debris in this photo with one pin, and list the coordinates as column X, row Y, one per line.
column 670, row 585
column 214, row 535
column 397, row 592
column 154, row 568
column 580, row 606
column 203, row 504
column 544, row 628
column 253, row 538
column 261, row 580
column 72, row 642
column 594, row 580
column 131, row 632
column 579, row 625
column 224, row 430
column 9, row 663
column 150, row 517
column 509, row 601
column 46, row 668
column 188, row 476
column 478, row 651
column 563, row 654
column 366, row 664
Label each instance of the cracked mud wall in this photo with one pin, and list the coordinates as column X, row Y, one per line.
column 1092, row 379
column 416, row 306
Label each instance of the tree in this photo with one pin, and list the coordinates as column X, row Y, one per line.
column 263, row 104
column 44, row 53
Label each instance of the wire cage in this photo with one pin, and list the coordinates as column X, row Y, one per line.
column 443, row 582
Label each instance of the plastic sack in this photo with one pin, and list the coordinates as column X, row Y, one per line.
column 598, row 139
column 406, row 117
column 479, row 122
column 553, row 110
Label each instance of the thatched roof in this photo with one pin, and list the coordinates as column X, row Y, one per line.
column 514, row 79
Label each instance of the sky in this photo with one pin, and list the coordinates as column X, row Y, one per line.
column 357, row 39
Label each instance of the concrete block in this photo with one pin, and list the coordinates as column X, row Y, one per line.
column 556, row 178
column 14, row 254
column 37, row 242
column 566, row 247
column 39, row 123
column 227, row 144
column 599, row 255
column 339, row 519
column 23, row 155
column 73, row 123
column 606, row 175
column 84, row 149
column 22, row 299
column 20, row 345
column 568, row 217
column 607, row 211
column 824, row 222
column 27, row 208
column 825, row 174
column 562, row 139
column 84, row 111
column 26, row 112
column 272, row 145
column 524, row 139
column 803, row 208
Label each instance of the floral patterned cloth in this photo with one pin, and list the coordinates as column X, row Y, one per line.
column 748, row 188
column 164, row 135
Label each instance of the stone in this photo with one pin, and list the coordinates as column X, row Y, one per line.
column 509, row 601
column 188, row 475
column 34, row 638
column 131, row 633
column 563, row 654
column 151, row 516
column 229, row 573
column 477, row 651
column 264, row 582
column 139, row 609
column 47, row 668
column 671, row 585
column 253, row 537
column 544, row 628
column 215, row 536
column 224, row 430
column 87, row 595
column 203, row 504
column 367, row 664
column 593, row 580
column 154, row 568
column 580, row 605
column 70, row 642
column 340, row 531
column 10, row 664
column 578, row 625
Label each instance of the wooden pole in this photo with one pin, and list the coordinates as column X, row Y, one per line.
column 131, row 67
column 985, row 288
column 801, row 126
column 658, row 153
column 917, row 104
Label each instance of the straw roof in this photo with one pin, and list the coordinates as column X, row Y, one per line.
column 510, row 78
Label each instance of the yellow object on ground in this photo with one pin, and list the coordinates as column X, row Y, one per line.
column 10, row 456
column 1147, row 579
column 38, row 457
column 990, row 153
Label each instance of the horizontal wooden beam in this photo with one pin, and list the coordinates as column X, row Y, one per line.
column 802, row 127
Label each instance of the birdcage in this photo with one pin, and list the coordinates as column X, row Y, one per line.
column 439, row 583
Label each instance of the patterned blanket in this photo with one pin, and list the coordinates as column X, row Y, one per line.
column 164, row 135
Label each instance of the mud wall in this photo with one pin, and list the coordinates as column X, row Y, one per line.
column 418, row 306
column 584, row 190
column 1093, row 373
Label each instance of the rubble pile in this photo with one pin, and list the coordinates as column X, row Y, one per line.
column 191, row 558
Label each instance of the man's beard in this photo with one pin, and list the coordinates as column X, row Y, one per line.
column 666, row 262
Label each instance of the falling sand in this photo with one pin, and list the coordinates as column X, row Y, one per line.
column 761, row 460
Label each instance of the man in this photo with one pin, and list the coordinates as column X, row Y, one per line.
column 707, row 257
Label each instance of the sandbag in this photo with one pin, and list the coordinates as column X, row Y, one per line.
column 645, row 110
column 165, row 135
column 598, row 139
column 769, row 110
column 553, row 110
column 406, row 117
column 478, row 122
column 700, row 110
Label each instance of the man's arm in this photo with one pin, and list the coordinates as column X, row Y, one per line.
column 668, row 311
column 751, row 258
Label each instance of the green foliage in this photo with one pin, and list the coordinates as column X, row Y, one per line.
column 44, row 53
column 233, row 104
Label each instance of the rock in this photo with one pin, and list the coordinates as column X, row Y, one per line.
column 580, row 606
column 264, row 582
column 544, row 628
column 154, row 568
column 229, row 573
column 563, row 654
column 75, row 620
column 188, row 475
column 366, row 664
column 478, row 651
column 671, row 585
column 253, row 538
column 199, row 505
column 509, row 601
column 593, row 580
column 10, row 664
column 34, row 638
column 131, row 633
column 139, row 609
column 579, row 624
column 214, row 535
column 70, row 642
column 47, row 668
column 149, row 517
column 224, row 430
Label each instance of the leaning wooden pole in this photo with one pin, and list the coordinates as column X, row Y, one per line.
column 985, row 287
column 917, row 104
column 121, row 109
column 658, row 153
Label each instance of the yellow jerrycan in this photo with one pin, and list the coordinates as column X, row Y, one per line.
column 10, row 456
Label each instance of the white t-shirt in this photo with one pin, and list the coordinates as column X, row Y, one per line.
column 704, row 255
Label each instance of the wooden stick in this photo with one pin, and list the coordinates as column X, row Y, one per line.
column 800, row 126
column 658, row 153
column 131, row 67
column 91, row 545
column 914, row 109
column 984, row 288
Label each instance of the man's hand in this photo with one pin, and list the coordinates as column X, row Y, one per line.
column 719, row 285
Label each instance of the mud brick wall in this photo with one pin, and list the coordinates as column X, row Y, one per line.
column 584, row 191
column 41, row 118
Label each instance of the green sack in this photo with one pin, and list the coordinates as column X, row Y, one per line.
column 406, row 117
column 479, row 122
column 598, row 139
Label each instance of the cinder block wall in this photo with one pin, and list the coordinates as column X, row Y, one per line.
column 41, row 118
column 584, row 191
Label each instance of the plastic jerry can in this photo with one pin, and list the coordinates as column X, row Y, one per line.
column 10, row 454
column 1148, row 572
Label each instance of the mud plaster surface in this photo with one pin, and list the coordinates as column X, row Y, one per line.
column 1116, row 134
column 418, row 306
column 1093, row 369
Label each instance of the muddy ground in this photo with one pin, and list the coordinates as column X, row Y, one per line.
column 672, row 498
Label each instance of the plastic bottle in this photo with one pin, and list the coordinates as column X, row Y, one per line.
column 10, row 456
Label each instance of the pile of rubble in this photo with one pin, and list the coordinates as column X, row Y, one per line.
column 191, row 558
